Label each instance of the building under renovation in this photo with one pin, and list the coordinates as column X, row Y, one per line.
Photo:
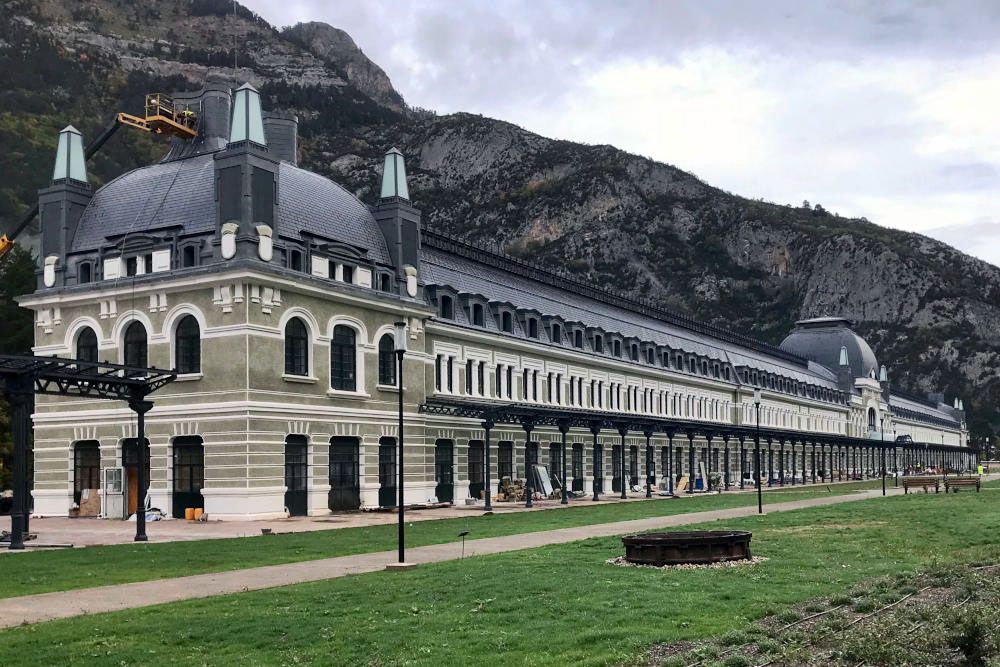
column 273, row 293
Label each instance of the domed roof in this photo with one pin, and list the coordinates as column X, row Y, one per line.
column 820, row 340
column 181, row 193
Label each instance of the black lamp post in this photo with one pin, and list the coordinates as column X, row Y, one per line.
column 400, row 344
column 882, row 432
column 756, row 452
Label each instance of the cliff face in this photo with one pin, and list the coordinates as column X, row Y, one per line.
column 622, row 221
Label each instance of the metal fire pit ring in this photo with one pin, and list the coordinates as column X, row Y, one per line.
column 684, row 547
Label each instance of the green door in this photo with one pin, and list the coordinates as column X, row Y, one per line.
column 296, row 467
column 189, row 475
column 444, row 471
column 345, row 483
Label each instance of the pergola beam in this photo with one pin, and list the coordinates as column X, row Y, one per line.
column 24, row 376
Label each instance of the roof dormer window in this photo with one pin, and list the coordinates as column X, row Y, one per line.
column 650, row 356
column 633, row 352
column 616, row 348
column 478, row 317
column 86, row 273
column 578, row 339
column 295, row 260
column 598, row 344
column 506, row 322
column 556, row 334
column 532, row 327
column 189, row 256
column 447, row 307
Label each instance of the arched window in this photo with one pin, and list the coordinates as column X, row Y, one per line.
column 136, row 352
column 871, row 419
column 187, row 346
column 387, row 360
column 296, row 348
column 447, row 308
column 86, row 345
column 343, row 360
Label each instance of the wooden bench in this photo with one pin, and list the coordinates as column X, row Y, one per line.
column 921, row 482
column 957, row 483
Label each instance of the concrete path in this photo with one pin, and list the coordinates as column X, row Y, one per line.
column 93, row 532
column 50, row 606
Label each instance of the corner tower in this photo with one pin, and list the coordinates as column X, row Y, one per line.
column 247, row 180
column 62, row 204
column 398, row 221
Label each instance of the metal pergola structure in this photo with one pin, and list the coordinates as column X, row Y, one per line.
column 24, row 376
column 826, row 447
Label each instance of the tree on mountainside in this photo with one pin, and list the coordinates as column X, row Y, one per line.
column 17, row 277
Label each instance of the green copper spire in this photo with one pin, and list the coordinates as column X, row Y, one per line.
column 394, row 176
column 248, row 120
column 69, row 156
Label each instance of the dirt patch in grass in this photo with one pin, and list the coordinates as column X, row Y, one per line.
column 943, row 616
column 829, row 526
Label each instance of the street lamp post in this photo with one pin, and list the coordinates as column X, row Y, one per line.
column 756, row 452
column 882, row 449
column 400, row 345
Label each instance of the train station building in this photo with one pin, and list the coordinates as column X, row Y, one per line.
column 274, row 294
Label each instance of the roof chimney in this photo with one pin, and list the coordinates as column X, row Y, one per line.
column 282, row 133
column 248, row 120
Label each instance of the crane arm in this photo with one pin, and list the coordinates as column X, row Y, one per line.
column 7, row 240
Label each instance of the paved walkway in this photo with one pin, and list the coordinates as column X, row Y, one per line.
column 93, row 532
column 50, row 606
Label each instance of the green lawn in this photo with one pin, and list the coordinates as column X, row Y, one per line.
column 556, row 605
column 46, row 571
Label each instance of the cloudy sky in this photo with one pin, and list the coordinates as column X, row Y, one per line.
column 888, row 110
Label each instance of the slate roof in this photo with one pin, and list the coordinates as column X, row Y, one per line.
column 181, row 193
column 439, row 267
column 896, row 401
column 820, row 339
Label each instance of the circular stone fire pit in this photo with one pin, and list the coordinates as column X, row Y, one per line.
column 677, row 548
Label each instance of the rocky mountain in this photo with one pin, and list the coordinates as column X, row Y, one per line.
column 619, row 220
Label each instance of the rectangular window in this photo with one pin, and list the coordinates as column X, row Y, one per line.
column 498, row 383
column 559, row 389
column 505, row 460
column 468, row 377
column 481, row 379
column 451, row 374
column 437, row 372
column 510, row 382
column 548, row 388
column 534, row 385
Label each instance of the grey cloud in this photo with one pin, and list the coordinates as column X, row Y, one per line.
column 833, row 137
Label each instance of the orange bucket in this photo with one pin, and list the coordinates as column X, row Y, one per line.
column 198, row 512
column 189, row 513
